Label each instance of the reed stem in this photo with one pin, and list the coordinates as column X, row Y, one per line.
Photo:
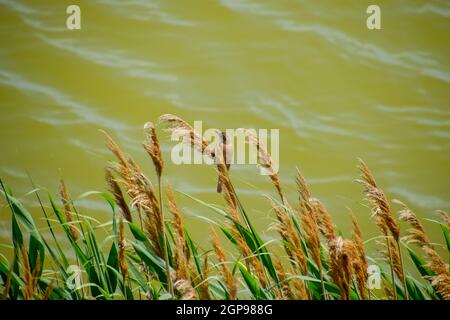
column 392, row 266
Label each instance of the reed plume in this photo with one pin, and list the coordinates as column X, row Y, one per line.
column 178, row 223
column 309, row 222
column 204, row 285
column 227, row 276
column 311, row 234
column 323, row 220
column 123, row 162
column 445, row 218
column 298, row 289
column 153, row 149
column 141, row 191
column 121, row 244
column 441, row 279
column 48, row 291
column 143, row 196
column 389, row 291
column 119, row 198
column 68, row 210
column 381, row 209
column 181, row 250
column 286, row 292
column 30, row 275
column 264, row 159
column 291, row 239
column 384, row 218
column 200, row 281
column 361, row 267
column 184, row 129
column 342, row 255
column 396, row 260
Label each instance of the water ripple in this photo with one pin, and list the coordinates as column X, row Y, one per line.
column 112, row 58
column 21, row 8
column 147, row 11
column 410, row 61
column 422, row 200
column 84, row 112
column 252, row 8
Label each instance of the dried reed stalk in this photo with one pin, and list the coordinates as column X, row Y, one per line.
column 381, row 210
column 291, row 239
column 68, row 210
column 30, row 277
column 384, row 218
column 361, row 267
column 182, row 262
column 445, row 218
column 417, row 235
column 177, row 222
column 342, row 258
column 143, row 195
column 323, row 220
column 227, row 276
column 309, row 220
column 264, row 159
column 204, row 285
column 181, row 127
column 389, row 291
column 48, row 290
column 299, row 289
column 286, row 292
column 153, row 149
column 391, row 253
column 121, row 243
column 200, row 280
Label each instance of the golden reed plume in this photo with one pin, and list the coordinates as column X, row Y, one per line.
column 227, row 276
column 68, row 209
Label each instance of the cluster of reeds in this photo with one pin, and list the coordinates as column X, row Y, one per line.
column 151, row 255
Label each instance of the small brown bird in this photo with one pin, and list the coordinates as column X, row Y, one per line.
column 227, row 154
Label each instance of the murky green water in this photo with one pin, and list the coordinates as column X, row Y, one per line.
column 335, row 89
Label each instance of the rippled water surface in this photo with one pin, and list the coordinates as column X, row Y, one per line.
column 336, row 90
